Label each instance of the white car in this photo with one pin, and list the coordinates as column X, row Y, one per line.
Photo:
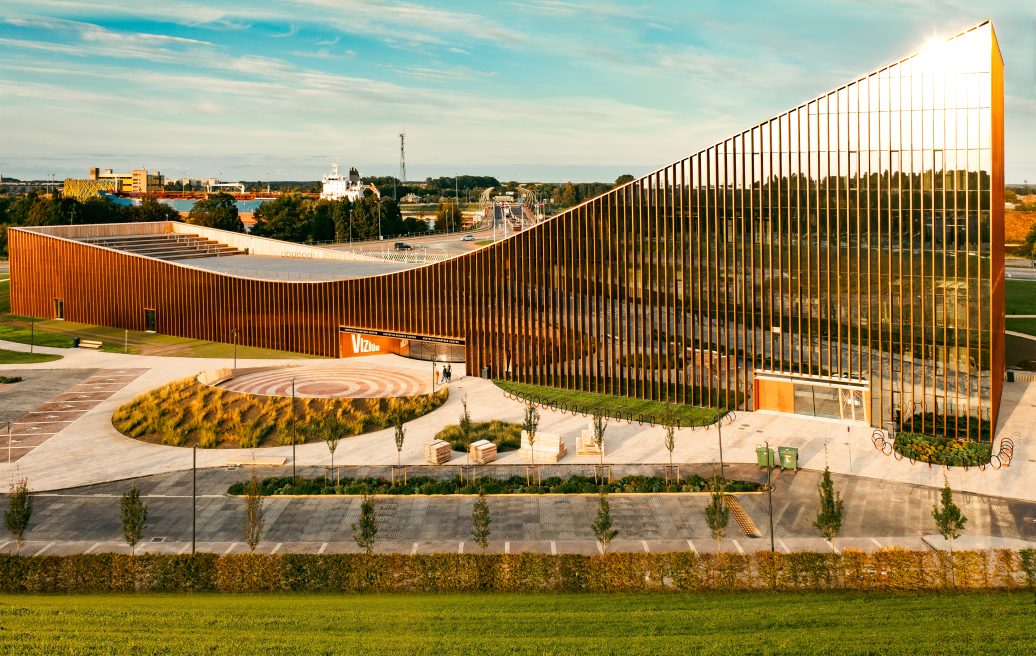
column 468, row 238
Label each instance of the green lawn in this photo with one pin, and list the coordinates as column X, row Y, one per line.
column 1020, row 296
column 610, row 406
column 17, row 357
column 5, row 295
column 469, row 625
column 1027, row 326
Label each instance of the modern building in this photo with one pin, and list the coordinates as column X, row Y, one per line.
column 842, row 259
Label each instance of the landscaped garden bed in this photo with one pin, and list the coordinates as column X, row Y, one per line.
column 506, row 436
column 487, row 485
column 187, row 412
column 942, row 450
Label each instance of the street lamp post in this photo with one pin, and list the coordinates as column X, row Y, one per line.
column 32, row 337
column 235, row 333
column 769, row 492
column 719, row 431
column 294, row 435
column 194, row 497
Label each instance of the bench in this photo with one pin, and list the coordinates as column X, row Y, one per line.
column 482, row 452
column 89, row 343
column 549, row 447
column 437, row 452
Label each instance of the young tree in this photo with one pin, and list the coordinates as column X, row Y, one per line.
column 480, row 521
column 670, row 440
column 329, row 431
column 464, row 423
column 400, row 436
column 949, row 520
column 717, row 516
column 530, row 422
column 829, row 515
column 254, row 520
column 366, row 530
column 134, row 518
column 602, row 526
column 600, row 426
column 19, row 511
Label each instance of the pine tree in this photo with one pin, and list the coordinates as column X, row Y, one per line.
column 366, row 530
column 829, row 515
column 19, row 511
column 480, row 521
column 949, row 520
column 602, row 526
column 134, row 518
column 254, row 520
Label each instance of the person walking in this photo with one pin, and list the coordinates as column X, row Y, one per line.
column 435, row 377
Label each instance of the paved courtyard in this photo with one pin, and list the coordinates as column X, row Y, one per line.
column 83, row 449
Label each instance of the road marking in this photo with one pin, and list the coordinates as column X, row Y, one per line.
column 277, row 548
column 322, row 547
column 414, row 550
column 833, row 547
column 90, row 550
column 507, row 547
column 5, row 544
column 644, row 543
column 875, row 541
column 739, row 549
column 553, row 548
column 460, row 549
column 783, row 546
column 230, row 548
column 600, row 548
column 690, row 545
column 40, row 552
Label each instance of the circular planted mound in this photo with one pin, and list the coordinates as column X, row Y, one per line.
column 186, row 412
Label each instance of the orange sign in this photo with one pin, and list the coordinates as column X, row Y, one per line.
column 353, row 345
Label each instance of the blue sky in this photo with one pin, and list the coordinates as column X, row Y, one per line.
column 522, row 89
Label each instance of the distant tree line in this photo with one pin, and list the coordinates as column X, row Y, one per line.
column 301, row 219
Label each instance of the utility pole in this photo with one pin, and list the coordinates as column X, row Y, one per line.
column 402, row 156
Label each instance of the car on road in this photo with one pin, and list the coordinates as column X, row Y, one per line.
column 403, row 246
column 468, row 238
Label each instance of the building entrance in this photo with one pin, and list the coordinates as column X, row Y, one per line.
column 353, row 342
column 813, row 397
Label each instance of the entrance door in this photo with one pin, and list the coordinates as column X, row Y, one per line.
column 150, row 322
column 59, row 308
column 851, row 402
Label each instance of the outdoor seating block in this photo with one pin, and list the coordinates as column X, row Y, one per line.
column 437, row 452
column 89, row 343
column 549, row 447
column 585, row 445
column 482, row 452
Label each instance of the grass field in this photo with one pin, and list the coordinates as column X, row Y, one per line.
column 446, row 624
column 17, row 357
column 610, row 406
column 1027, row 326
column 1020, row 296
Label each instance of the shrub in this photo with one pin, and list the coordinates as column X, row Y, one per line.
column 942, row 450
column 506, row 437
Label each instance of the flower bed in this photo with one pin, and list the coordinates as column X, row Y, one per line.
column 942, row 450
column 512, row 485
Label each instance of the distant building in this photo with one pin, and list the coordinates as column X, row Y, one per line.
column 410, row 198
column 137, row 181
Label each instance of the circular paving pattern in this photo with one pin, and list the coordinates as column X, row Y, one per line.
column 353, row 381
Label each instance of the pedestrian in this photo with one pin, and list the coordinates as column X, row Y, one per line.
column 447, row 374
column 435, row 376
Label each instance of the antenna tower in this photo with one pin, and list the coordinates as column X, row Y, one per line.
column 402, row 157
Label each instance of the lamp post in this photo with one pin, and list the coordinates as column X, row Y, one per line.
column 293, row 434
column 194, row 497
column 32, row 337
column 769, row 492
column 235, row 333
column 719, row 431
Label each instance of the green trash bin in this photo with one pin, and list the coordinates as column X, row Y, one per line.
column 789, row 457
column 761, row 456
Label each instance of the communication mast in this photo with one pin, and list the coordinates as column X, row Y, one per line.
column 402, row 157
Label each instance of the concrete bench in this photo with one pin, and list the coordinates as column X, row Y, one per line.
column 549, row 447
column 89, row 343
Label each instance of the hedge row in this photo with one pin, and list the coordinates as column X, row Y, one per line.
column 886, row 569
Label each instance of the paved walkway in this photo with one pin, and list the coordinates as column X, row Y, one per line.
column 90, row 450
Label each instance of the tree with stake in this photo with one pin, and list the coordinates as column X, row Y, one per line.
column 254, row 520
column 530, row 422
column 134, row 518
column 328, row 430
column 366, row 530
column 717, row 516
column 602, row 526
column 19, row 511
column 600, row 425
column 670, row 439
column 950, row 521
column 829, row 515
column 480, row 521
column 464, row 423
column 400, row 436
